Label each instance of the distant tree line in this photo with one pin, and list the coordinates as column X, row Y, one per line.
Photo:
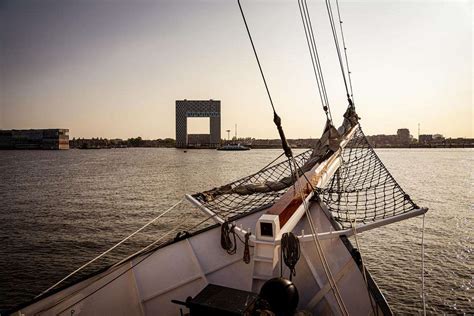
column 103, row 143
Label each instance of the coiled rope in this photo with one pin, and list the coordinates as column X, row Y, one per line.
column 227, row 244
column 247, row 248
column 290, row 251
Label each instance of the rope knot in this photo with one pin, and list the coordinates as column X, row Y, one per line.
column 247, row 248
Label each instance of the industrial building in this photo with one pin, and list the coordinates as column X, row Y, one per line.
column 34, row 139
column 404, row 136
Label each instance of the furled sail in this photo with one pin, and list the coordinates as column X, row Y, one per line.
column 256, row 191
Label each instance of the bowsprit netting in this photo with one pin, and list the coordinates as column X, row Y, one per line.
column 257, row 191
column 362, row 189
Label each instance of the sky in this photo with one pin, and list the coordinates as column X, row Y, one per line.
column 114, row 68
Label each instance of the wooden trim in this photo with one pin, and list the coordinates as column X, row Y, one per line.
column 291, row 201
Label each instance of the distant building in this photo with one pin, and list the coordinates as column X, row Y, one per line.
column 198, row 140
column 198, row 108
column 384, row 140
column 403, row 136
column 34, row 139
column 426, row 139
column 438, row 137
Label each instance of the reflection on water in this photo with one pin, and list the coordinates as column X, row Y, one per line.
column 58, row 209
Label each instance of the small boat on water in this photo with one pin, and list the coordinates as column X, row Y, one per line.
column 279, row 244
column 233, row 147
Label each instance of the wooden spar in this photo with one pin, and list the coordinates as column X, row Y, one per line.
column 289, row 208
column 216, row 218
column 290, row 205
column 207, row 211
column 365, row 227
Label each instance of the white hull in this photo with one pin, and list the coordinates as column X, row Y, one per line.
column 328, row 278
column 146, row 286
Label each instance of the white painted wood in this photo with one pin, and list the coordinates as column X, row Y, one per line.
column 327, row 287
column 134, row 285
column 360, row 228
column 273, row 221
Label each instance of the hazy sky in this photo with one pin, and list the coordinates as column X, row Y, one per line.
column 115, row 68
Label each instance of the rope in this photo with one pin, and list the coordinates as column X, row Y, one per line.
column 118, row 276
column 247, row 248
column 423, row 297
column 111, row 248
column 313, row 52
column 230, row 246
column 146, row 255
column 276, row 118
column 336, row 42
column 363, row 267
column 290, row 249
column 166, row 234
column 181, row 223
column 345, row 51
column 226, row 230
column 322, row 256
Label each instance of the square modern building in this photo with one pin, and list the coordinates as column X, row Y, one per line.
column 198, row 108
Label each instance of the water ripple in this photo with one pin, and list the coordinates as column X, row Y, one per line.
column 60, row 209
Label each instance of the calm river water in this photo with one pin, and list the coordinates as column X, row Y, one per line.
column 58, row 209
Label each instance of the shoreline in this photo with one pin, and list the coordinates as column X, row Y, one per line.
column 251, row 147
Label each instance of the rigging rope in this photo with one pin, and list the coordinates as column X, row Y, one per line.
column 313, row 52
column 345, row 51
column 111, row 248
column 320, row 251
column 363, row 267
column 180, row 224
column 115, row 278
column 146, row 255
column 276, row 118
column 338, row 49
column 186, row 233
